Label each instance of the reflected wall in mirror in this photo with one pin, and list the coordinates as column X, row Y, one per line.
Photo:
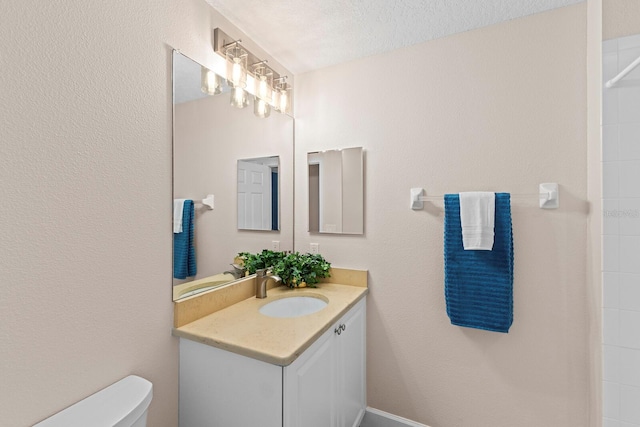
column 336, row 191
column 258, row 194
column 209, row 136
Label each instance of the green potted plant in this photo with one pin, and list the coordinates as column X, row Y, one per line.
column 300, row 270
column 265, row 259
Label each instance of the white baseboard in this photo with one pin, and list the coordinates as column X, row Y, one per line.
column 377, row 418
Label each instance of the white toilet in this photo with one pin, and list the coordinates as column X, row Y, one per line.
column 123, row 404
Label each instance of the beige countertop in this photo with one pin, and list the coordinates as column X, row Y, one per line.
column 242, row 329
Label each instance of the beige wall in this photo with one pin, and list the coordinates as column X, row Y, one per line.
column 85, row 166
column 501, row 108
column 620, row 18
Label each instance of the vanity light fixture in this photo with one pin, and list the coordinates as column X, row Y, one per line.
column 270, row 90
column 211, row 83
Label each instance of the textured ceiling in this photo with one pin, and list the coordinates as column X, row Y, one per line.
column 304, row 35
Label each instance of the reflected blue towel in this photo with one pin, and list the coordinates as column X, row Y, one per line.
column 184, row 253
column 478, row 285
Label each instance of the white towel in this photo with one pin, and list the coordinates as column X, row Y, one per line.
column 477, row 218
column 178, row 209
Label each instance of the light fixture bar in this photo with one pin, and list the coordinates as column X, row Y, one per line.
column 222, row 41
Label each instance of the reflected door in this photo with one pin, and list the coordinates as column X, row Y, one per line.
column 254, row 196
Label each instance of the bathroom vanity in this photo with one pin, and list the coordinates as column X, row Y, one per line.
column 239, row 367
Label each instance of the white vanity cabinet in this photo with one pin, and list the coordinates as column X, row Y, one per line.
column 324, row 387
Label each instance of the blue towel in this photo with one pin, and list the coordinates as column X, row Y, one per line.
column 184, row 253
column 478, row 285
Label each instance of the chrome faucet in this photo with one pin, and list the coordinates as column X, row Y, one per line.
column 237, row 272
column 261, row 282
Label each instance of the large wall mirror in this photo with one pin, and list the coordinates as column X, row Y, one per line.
column 211, row 139
column 336, row 191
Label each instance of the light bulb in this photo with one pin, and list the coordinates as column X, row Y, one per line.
column 237, row 66
column 211, row 84
column 281, row 95
column 263, row 82
column 236, row 72
column 284, row 101
column 261, row 108
column 262, row 91
column 239, row 97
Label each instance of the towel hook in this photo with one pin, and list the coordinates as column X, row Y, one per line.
column 208, row 201
column 549, row 196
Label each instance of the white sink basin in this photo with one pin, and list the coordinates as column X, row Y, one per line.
column 293, row 306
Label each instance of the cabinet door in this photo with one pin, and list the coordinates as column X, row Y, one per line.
column 223, row 389
column 351, row 364
column 310, row 386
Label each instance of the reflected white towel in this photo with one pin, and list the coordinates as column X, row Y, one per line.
column 178, row 209
column 477, row 218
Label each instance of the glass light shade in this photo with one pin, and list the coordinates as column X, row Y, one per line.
column 237, row 66
column 261, row 108
column 275, row 99
column 284, row 102
column 211, row 83
column 263, row 82
column 239, row 98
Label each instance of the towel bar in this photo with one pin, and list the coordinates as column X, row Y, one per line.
column 548, row 196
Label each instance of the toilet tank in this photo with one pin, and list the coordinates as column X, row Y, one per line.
column 123, row 404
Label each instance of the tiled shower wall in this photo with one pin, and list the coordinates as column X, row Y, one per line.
column 621, row 236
